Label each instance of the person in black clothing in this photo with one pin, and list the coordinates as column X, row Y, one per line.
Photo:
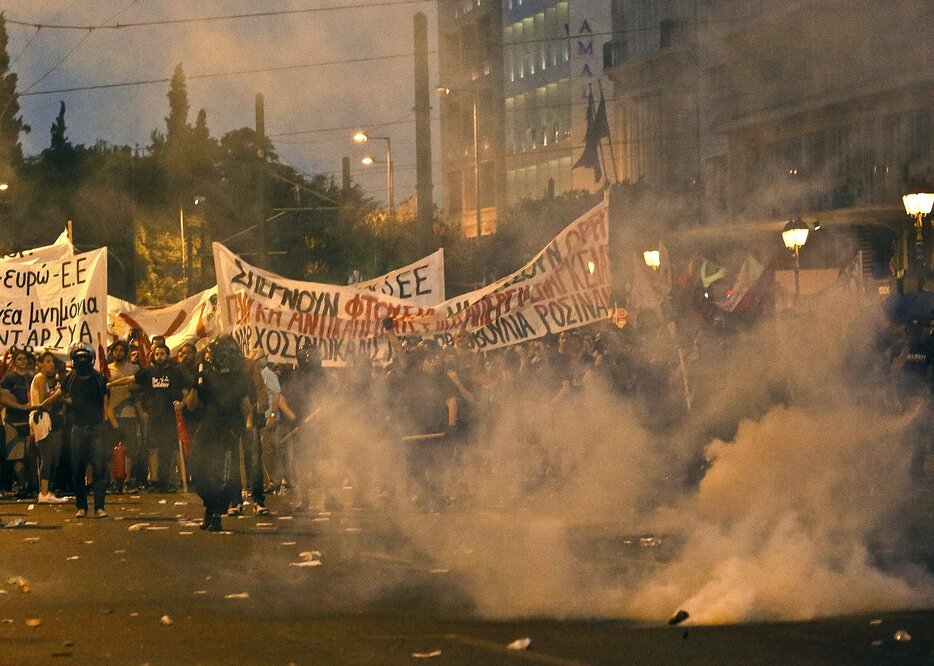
column 86, row 397
column 222, row 395
column 162, row 385
column 17, row 383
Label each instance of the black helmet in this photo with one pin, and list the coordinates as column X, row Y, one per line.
column 80, row 349
column 224, row 353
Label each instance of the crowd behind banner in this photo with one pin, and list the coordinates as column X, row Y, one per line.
column 450, row 374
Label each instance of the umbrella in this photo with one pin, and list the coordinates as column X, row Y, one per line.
column 907, row 307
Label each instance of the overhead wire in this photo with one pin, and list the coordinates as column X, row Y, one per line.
column 206, row 19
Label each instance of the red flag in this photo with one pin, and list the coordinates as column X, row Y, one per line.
column 181, row 428
column 102, row 358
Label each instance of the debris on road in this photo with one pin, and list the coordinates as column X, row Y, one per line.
column 875, row 622
column 426, row 655
column 31, row 540
column 87, row 543
column 201, row 592
column 19, row 582
column 33, row 622
column 72, row 558
column 165, row 620
column 180, row 504
column 902, row 636
column 134, row 614
column 520, row 644
column 309, row 554
column 157, row 528
column 30, row 507
column 137, row 527
column 237, row 595
column 162, row 501
column 185, row 533
column 286, row 543
column 16, row 522
column 439, row 571
column 306, row 563
column 679, row 617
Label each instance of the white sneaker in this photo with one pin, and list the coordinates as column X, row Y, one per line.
column 81, row 513
column 49, row 498
column 100, row 513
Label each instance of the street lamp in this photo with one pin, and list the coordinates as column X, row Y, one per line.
column 917, row 205
column 187, row 250
column 795, row 235
column 653, row 259
column 476, row 159
column 363, row 137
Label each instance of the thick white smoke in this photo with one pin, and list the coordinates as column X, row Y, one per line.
column 598, row 506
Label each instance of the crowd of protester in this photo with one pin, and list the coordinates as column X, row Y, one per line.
column 248, row 417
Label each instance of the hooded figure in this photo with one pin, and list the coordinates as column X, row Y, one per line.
column 222, row 393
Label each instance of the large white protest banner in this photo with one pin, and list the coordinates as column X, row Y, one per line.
column 421, row 282
column 61, row 248
column 51, row 304
column 564, row 286
column 189, row 320
column 185, row 321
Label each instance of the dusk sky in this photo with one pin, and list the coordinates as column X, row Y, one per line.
column 305, row 106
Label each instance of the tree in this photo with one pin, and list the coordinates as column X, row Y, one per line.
column 176, row 124
column 59, row 140
column 11, row 123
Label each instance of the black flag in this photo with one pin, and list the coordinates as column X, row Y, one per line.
column 590, row 159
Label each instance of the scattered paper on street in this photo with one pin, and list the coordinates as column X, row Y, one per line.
column 426, row 655
column 520, row 644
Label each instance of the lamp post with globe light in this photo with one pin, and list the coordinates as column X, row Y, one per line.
column 795, row 235
column 918, row 202
column 363, row 137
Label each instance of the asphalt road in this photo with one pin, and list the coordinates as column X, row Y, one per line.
column 101, row 591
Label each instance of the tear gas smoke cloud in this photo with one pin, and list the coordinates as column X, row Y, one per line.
column 800, row 510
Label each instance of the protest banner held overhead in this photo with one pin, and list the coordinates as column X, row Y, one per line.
column 185, row 321
column 51, row 304
column 421, row 282
column 564, row 286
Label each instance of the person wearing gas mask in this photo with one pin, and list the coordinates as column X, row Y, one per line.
column 221, row 394
column 298, row 404
column 87, row 400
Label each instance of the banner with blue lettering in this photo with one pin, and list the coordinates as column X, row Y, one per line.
column 564, row 286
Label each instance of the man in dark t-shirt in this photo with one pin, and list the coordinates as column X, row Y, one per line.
column 17, row 383
column 87, row 398
column 162, row 385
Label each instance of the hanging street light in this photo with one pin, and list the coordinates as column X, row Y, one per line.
column 795, row 235
column 653, row 259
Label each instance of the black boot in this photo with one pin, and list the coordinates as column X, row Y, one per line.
column 206, row 523
column 215, row 525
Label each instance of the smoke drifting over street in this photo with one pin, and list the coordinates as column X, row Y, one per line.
column 785, row 494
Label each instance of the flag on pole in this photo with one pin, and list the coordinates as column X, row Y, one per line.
column 590, row 159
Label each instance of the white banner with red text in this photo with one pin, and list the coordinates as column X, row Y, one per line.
column 564, row 286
